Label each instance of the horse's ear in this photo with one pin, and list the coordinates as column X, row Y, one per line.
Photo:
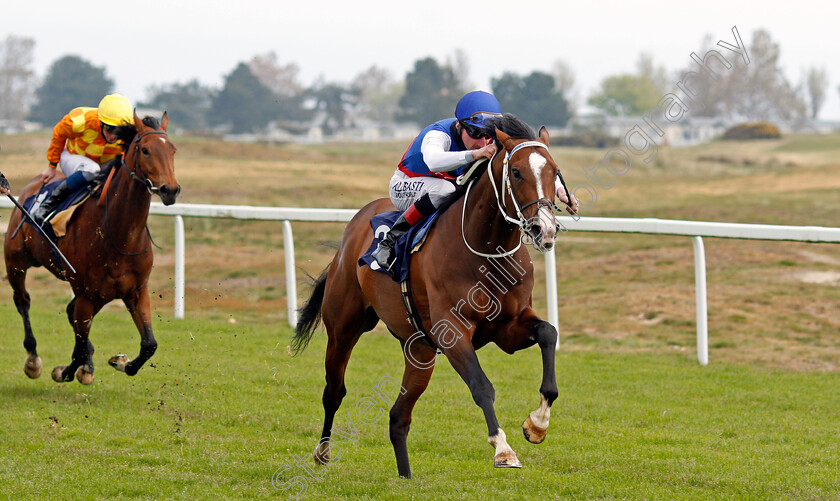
column 504, row 139
column 138, row 124
column 544, row 135
column 164, row 121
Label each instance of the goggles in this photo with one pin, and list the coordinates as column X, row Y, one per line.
column 110, row 129
column 481, row 117
column 473, row 131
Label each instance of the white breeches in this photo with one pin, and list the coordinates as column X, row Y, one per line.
column 405, row 190
column 71, row 164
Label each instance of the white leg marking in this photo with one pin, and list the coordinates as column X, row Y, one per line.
column 499, row 441
column 540, row 416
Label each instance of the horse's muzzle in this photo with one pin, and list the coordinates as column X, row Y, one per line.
column 168, row 195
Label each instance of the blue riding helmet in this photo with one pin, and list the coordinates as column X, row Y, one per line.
column 476, row 107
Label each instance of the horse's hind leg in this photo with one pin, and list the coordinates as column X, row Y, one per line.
column 81, row 311
column 140, row 308
column 345, row 322
column 419, row 364
column 17, row 279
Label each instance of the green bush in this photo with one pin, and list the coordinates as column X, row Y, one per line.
column 757, row 130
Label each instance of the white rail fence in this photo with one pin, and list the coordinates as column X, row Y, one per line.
column 694, row 229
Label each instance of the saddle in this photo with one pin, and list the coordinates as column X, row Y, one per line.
column 406, row 245
column 62, row 214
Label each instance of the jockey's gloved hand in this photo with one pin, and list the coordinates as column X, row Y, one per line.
column 4, row 184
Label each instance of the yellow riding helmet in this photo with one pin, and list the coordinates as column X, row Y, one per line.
column 115, row 109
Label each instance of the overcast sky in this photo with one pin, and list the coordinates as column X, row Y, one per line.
column 156, row 42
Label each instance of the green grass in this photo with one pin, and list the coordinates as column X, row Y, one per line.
column 222, row 408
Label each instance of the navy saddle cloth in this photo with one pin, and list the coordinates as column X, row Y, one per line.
column 380, row 224
column 67, row 202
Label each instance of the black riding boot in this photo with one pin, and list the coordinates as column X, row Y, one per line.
column 59, row 193
column 384, row 254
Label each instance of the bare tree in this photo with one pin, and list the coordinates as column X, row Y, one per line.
column 753, row 90
column 17, row 80
column 378, row 93
column 460, row 64
column 564, row 77
column 282, row 80
column 646, row 67
column 816, row 84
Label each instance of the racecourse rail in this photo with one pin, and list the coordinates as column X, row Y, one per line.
column 694, row 229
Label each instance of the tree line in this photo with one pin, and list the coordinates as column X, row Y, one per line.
column 265, row 91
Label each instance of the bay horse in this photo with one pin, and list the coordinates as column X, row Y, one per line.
column 108, row 244
column 472, row 282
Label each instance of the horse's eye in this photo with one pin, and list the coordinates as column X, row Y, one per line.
column 144, row 150
column 516, row 174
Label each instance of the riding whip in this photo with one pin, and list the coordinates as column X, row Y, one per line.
column 4, row 183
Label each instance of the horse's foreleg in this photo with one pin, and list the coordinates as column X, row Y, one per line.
column 536, row 425
column 17, row 279
column 81, row 364
column 465, row 362
column 140, row 308
column 419, row 364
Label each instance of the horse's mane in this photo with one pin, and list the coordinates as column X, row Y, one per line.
column 128, row 132
column 512, row 126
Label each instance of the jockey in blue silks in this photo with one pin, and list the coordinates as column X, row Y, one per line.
column 437, row 156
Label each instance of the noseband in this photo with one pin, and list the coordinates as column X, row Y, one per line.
column 145, row 181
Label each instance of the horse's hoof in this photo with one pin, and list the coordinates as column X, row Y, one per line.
column 57, row 374
column 322, row 453
column 119, row 362
column 532, row 433
column 83, row 375
column 32, row 366
column 506, row 459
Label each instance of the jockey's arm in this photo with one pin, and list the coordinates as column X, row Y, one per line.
column 436, row 154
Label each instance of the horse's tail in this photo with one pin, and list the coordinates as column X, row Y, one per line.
column 310, row 314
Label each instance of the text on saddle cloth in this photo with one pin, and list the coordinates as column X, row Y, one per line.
column 406, row 244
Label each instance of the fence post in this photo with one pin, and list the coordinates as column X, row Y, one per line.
column 291, row 279
column 700, row 291
column 180, row 291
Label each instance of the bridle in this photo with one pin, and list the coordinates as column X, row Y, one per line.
column 145, row 181
column 524, row 223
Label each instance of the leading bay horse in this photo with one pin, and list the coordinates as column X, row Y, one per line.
column 472, row 282
column 108, row 246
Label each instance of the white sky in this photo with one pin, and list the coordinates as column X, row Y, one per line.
column 165, row 41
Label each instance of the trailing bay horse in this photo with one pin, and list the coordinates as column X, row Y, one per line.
column 109, row 246
column 472, row 282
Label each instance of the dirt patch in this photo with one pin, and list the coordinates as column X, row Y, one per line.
column 815, row 257
column 819, row 277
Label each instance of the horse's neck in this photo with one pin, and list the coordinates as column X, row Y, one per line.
column 484, row 227
column 127, row 202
